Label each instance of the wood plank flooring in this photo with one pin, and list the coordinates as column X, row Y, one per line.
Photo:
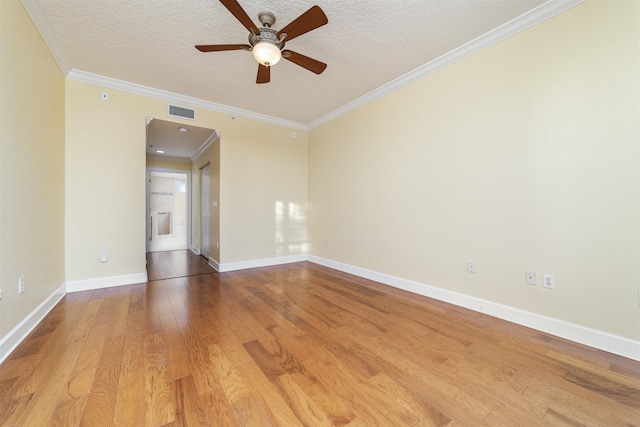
column 172, row 264
column 299, row 345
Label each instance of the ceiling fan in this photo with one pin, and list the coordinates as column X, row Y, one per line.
column 267, row 44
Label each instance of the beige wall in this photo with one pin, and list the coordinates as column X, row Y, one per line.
column 105, row 183
column 263, row 191
column 524, row 156
column 31, row 167
column 105, row 155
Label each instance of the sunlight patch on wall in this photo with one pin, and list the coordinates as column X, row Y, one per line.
column 291, row 228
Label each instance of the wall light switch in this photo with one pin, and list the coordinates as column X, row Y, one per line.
column 103, row 256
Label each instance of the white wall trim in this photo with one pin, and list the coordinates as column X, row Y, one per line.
column 83, row 76
column 506, row 30
column 9, row 342
column 266, row 262
column 106, row 282
column 214, row 264
column 195, row 250
column 215, row 136
column 42, row 24
column 597, row 339
column 173, row 159
column 601, row 340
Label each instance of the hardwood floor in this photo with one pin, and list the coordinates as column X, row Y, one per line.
column 300, row 344
column 171, row 264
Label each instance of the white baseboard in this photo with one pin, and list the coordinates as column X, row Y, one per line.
column 580, row 334
column 9, row 342
column 195, row 250
column 266, row 262
column 601, row 340
column 106, row 282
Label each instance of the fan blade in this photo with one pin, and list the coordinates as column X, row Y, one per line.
column 310, row 20
column 221, row 47
column 236, row 10
column 264, row 74
column 304, row 61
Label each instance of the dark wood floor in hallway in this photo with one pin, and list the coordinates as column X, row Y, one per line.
column 172, row 264
column 296, row 345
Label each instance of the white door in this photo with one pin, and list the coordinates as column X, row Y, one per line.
column 205, row 212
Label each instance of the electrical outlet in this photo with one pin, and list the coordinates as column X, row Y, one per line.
column 548, row 281
column 471, row 266
column 530, row 278
column 21, row 284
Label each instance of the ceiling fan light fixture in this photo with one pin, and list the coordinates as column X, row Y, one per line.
column 267, row 53
column 267, row 44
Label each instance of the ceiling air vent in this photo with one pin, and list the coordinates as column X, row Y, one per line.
column 186, row 113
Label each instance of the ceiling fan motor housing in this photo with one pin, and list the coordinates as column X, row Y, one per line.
column 266, row 35
column 267, row 19
column 270, row 37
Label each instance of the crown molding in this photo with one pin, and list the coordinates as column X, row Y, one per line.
column 208, row 143
column 173, row 159
column 42, row 24
column 506, row 30
column 108, row 82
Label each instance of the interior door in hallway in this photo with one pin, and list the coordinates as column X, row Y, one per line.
column 205, row 211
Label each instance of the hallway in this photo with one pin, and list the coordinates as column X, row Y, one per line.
column 172, row 264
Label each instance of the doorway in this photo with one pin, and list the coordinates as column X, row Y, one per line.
column 168, row 210
column 182, row 148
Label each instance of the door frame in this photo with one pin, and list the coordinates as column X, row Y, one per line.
column 148, row 202
column 205, row 200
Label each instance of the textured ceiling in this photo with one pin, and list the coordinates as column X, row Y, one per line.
column 366, row 44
